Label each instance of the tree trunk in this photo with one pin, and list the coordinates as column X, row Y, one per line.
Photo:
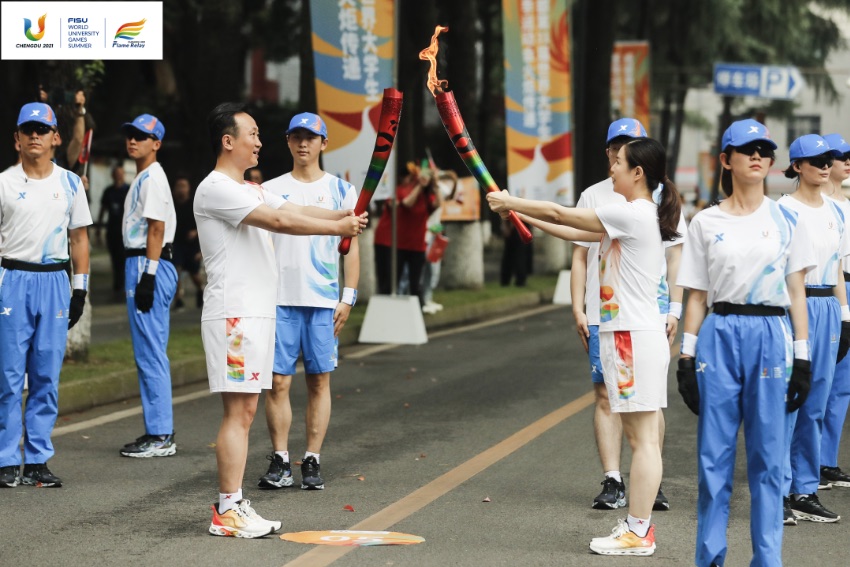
column 307, row 78
column 678, row 122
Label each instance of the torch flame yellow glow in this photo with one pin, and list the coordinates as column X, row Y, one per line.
column 435, row 85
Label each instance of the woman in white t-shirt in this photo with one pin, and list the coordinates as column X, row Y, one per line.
column 633, row 343
column 745, row 259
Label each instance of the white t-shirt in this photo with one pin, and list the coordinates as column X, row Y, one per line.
column 149, row 197
column 845, row 208
column 239, row 259
column 35, row 214
column 745, row 259
column 308, row 266
column 597, row 195
column 825, row 230
column 630, row 264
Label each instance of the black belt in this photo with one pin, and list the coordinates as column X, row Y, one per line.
column 846, row 274
column 819, row 292
column 166, row 254
column 723, row 308
column 10, row 264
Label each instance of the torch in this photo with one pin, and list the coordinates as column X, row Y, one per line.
column 456, row 129
column 387, row 127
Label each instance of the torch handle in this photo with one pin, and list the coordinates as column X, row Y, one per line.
column 524, row 234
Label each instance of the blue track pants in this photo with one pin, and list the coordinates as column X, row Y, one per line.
column 836, row 411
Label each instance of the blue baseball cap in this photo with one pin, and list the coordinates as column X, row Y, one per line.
column 147, row 123
column 810, row 145
column 37, row 112
column 742, row 132
column 629, row 127
column 837, row 142
column 308, row 121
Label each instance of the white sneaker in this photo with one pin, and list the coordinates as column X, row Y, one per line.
column 438, row 306
column 623, row 541
column 241, row 521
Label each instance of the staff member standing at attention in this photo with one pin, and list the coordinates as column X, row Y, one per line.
column 742, row 348
column 829, row 319
column 42, row 207
column 150, row 283
column 839, row 395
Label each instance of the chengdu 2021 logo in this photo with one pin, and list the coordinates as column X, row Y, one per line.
column 34, row 36
column 127, row 35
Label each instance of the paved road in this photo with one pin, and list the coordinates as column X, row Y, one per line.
column 498, row 411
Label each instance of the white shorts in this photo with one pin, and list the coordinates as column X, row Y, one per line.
column 240, row 353
column 635, row 364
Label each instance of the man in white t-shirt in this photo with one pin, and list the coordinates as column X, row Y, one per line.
column 310, row 311
column 150, row 281
column 237, row 324
column 584, row 282
column 43, row 208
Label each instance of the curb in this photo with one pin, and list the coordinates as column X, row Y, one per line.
column 83, row 395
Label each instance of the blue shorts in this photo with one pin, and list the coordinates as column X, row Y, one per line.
column 593, row 354
column 308, row 331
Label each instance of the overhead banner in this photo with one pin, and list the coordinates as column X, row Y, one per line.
column 353, row 47
column 538, row 100
column 630, row 81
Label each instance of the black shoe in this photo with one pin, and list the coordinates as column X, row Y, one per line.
column 279, row 475
column 661, row 503
column 10, row 477
column 835, row 476
column 40, row 475
column 808, row 507
column 151, row 446
column 613, row 495
column 823, row 483
column 311, row 478
column 137, row 441
column 787, row 514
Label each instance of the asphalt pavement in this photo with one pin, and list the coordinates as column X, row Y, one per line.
column 479, row 441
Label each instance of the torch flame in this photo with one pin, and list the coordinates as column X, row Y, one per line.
column 435, row 85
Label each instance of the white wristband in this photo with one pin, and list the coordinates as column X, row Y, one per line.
column 845, row 313
column 689, row 344
column 151, row 266
column 675, row 309
column 349, row 296
column 81, row 281
column 801, row 350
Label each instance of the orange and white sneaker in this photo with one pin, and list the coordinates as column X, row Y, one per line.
column 623, row 541
column 241, row 521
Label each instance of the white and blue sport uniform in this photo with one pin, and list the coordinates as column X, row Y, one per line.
column 150, row 198
column 35, row 216
column 598, row 195
column 308, row 278
column 743, row 366
column 825, row 226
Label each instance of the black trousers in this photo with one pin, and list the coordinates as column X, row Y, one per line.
column 415, row 262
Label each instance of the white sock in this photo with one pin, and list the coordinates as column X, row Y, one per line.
column 283, row 455
column 615, row 475
column 314, row 455
column 227, row 501
column 638, row 525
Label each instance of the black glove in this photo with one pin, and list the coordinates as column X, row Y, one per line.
column 78, row 303
column 688, row 387
column 144, row 292
column 800, row 384
column 843, row 341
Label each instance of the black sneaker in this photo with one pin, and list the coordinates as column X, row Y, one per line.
column 661, row 503
column 10, row 477
column 787, row 514
column 808, row 507
column 613, row 495
column 137, row 441
column 311, row 478
column 40, row 475
column 823, row 483
column 835, row 476
column 151, row 446
column 279, row 475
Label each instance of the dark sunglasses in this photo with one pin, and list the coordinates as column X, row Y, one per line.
column 140, row 136
column 37, row 128
column 820, row 162
column 844, row 157
column 764, row 150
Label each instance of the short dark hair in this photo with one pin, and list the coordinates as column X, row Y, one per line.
column 222, row 121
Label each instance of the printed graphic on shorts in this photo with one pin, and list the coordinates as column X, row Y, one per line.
column 235, row 350
column 625, row 364
column 609, row 278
